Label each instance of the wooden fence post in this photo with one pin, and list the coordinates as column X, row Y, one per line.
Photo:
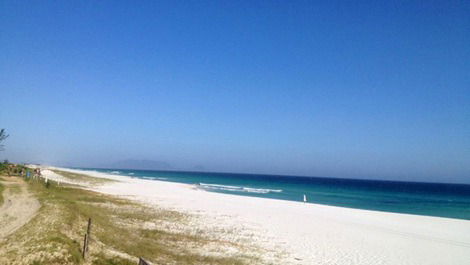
column 89, row 226
column 85, row 243
column 143, row 262
column 87, row 238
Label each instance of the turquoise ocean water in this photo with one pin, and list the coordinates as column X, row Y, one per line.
column 433, row 199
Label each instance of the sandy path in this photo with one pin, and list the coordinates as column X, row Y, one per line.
column 18, row 207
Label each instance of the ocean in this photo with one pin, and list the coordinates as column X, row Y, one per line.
column 432, row 199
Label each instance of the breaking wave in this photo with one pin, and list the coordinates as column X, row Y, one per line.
column 236, row 188
column 152, row 178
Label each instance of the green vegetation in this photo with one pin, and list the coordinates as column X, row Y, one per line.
column 9, row 169
column 1, row 191
column 83, row 178
column 4, row 167
column 121, row 231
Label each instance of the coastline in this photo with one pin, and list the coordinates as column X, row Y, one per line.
column 306, row 233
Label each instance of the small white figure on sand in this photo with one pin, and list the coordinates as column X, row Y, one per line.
column 305, row 198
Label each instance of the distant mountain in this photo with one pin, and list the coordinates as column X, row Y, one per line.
column 199, row 168
column 141, row 164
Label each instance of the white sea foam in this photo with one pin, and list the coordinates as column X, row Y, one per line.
column 236, row 188
column 131, row 173
column 115, row 172
column 152, row 178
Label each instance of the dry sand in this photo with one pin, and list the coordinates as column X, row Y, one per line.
column 18, row 207
column 308, row 233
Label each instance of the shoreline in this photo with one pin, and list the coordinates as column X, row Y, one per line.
column 308, row 233
column 126, row 178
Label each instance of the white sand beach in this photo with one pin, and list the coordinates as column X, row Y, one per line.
column 307, row 233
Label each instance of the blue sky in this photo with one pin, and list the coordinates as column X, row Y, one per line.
column 362, row 89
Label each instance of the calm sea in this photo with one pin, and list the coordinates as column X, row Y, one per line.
column 433, row 199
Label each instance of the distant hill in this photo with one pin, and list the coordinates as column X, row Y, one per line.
column 141, row 164
column 199, row 168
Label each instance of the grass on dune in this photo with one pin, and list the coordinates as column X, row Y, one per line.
column 121, row 231
column 1, row 192
column 82, row 177
column 2, row 188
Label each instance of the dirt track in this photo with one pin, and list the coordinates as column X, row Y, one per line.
column 18, row 207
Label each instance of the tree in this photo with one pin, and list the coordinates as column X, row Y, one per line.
column 3, row 136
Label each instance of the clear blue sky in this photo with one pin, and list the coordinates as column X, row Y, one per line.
column 363, row 89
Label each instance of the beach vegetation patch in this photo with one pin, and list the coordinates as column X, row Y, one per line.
column 1, row 192
column 81, row 178
column 121, row 231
